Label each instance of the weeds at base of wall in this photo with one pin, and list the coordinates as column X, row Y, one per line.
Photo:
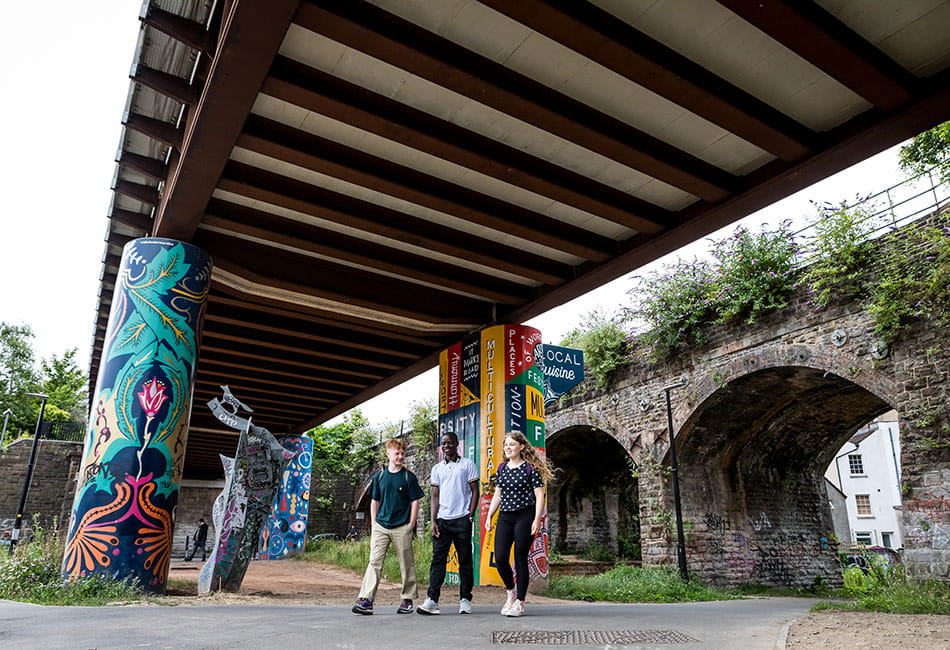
column 886, row 589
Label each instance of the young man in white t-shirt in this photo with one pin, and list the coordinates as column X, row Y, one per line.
column 454, row 501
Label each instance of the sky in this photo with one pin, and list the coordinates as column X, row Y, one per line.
column 65, row 80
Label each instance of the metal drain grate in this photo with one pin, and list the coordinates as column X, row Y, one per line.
column 590, row 637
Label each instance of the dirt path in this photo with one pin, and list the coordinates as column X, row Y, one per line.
column 295, row 582
column 310, row 583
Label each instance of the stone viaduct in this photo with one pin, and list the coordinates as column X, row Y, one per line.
column 765, row 409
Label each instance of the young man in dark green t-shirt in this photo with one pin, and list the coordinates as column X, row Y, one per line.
column 394, row 506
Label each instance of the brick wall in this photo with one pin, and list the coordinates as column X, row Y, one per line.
column 52, row 486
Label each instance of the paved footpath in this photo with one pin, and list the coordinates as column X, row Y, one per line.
column 754, row 624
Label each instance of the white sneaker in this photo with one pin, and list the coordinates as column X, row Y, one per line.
column 508, row 603
column 465, row 606
column 428, row 607
column 516, row 609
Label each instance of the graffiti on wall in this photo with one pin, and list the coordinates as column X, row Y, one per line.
column 122, row 515
column 763, row 551
column 928, row 516
column 284, row 534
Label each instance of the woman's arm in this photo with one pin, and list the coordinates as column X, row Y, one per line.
column 538, row 510
column 495, row 502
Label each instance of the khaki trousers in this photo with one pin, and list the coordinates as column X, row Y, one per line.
column 401, row 539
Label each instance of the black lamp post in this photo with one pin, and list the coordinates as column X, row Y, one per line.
column 18, row 522
column 674, row 471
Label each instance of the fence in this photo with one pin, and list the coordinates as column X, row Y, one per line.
column 69, row 431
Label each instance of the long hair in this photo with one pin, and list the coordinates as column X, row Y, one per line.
column 531, row 456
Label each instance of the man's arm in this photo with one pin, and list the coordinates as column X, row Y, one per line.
column 373, row 510
column 413, row 513
column 473, row 504
column 434, row 510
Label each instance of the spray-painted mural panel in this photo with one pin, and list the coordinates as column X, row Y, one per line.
column 284, row 534
column 122, row 515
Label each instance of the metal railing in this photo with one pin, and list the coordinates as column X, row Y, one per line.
column 919, row 196
column 67, row 431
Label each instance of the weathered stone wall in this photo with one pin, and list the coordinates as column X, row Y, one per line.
column 52, row 486
column 765, row 408
column 195, row 500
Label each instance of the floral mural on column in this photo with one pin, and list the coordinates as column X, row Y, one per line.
column 128, row 486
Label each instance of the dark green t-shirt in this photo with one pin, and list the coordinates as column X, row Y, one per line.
column 395, row 493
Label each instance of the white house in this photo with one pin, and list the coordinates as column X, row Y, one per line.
column 867, row 471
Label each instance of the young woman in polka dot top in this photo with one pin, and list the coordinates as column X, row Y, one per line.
column 519, row 496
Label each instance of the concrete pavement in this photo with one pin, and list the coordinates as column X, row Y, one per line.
column 754, row 624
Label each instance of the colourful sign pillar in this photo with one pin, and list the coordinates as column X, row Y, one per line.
column 490, row 384
column 128, row 484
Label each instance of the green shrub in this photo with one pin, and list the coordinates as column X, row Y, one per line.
column 597, row 553
column 885, row 588
column 755, row 272
column 604, row 341
column 670, row 307
column 840, row 251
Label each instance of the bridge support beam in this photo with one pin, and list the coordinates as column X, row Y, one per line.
column 127, row 488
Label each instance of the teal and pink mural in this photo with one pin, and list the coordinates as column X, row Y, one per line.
column 127, row 491
column 284, row 534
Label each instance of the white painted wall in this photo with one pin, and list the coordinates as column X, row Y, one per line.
column 880, row 480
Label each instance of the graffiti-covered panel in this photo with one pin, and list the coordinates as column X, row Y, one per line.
column 284, row 534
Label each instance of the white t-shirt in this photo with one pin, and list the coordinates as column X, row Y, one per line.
column 455, row 495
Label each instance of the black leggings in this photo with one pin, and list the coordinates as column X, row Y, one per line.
column 514, row 527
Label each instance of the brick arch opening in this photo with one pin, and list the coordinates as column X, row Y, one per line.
column 752, row 458
column 594, row 497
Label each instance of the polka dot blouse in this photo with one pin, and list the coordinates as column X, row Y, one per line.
column 517, row 487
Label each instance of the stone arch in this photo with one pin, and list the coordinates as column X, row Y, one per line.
column 593, row 498
column 752, row 455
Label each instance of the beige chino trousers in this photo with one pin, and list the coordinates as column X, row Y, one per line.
column 380, row 539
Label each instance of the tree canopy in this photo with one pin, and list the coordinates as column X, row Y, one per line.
column 932, row 147
column 58, row 377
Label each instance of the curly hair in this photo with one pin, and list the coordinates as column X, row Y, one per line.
column 532, row 457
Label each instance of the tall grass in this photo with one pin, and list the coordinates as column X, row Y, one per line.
column 627, row 584
column 886, row 589
column 354, row 555
column 32, row 575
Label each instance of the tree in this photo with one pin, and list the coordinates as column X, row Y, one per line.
column 66, row 386
column 18, row 376
column 343, row 447
column 927, row 149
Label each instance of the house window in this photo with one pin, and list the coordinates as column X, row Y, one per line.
column 863, row 504
column 863, row 538
column 886, row 540
column 856, row 464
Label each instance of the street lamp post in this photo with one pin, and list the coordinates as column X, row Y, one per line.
column 18, row 522
column 674, row 471
column 6, row 420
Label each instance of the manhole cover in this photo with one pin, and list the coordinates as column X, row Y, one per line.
column 590, row 637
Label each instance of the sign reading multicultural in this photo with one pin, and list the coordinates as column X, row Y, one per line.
column 490, row 384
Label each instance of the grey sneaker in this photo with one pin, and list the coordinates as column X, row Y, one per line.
column 428, row 607
column 465, row 606
column 517, row 609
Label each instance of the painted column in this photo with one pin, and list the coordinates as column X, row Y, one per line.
column 128, row 485
column 491, row 384
column 284, row 534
